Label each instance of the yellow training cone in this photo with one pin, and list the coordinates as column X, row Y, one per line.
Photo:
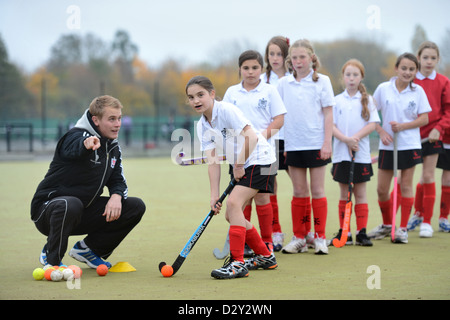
column 122, row 267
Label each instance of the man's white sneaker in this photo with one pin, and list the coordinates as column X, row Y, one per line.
column 297, row 245
column 426, row 231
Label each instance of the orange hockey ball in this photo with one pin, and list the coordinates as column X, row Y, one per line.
column 48, row 272
column 167, row 271
column 102, row 270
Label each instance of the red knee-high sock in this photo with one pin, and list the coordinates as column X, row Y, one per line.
column 308, row 217
column 362, row 215
column 445, row 202
column 276, row 221
column 386, row 211
column 418, row 202
column 237, row 242
column 255, row 242
column 429, row 197
column 407, row 204
column 399, row 197
column 320, row 210
column 248, row 212
column 341, row 210
column 265, row 218
column 299, row 216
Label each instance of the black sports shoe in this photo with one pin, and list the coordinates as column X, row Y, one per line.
column 230, row 270
column 248, row 253
column 339, row 235
column 259, row 261
column 362, row 239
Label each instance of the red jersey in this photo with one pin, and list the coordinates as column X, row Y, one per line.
column 437, row 88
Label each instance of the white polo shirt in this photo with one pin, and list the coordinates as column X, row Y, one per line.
column 224, row 135
column 347, row 118
column 260, row 105
column 405, row 106
column 304, row 127
column 273, row 80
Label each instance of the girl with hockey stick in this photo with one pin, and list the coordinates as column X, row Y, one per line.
column 355, row 116
column 223, row 127
column 404, row 109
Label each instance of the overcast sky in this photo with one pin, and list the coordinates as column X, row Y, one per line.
column 193, row 30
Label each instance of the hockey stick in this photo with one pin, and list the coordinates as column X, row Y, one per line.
column 226, row 249
column 394, row 196
column 194, row 238
column 194, row 161
column 348, row 208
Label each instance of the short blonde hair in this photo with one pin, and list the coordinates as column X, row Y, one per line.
column 97, row 106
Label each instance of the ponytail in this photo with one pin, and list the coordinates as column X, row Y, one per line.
column 365, row 112
column 315, row 66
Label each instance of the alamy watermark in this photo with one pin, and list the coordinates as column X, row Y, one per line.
column 73, row 21
column 374, row 280
column 373, row 21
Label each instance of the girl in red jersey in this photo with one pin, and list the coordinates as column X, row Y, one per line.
column 437, row 88
column 444, row 164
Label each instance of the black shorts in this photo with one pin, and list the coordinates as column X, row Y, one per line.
column 280, row 155
column 429, row 148
column 305, row 159
column 406, row 159
column 341, row 172
column 444, row 160
column 259, row 177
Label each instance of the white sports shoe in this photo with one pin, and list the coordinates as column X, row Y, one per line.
column 414, row 221
column 320, row 246
column 310, row 240
column 297, row 245
column 380, row 232
column 278, row 240
column 401, row 236
column 426, row 231
column 444, row 225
